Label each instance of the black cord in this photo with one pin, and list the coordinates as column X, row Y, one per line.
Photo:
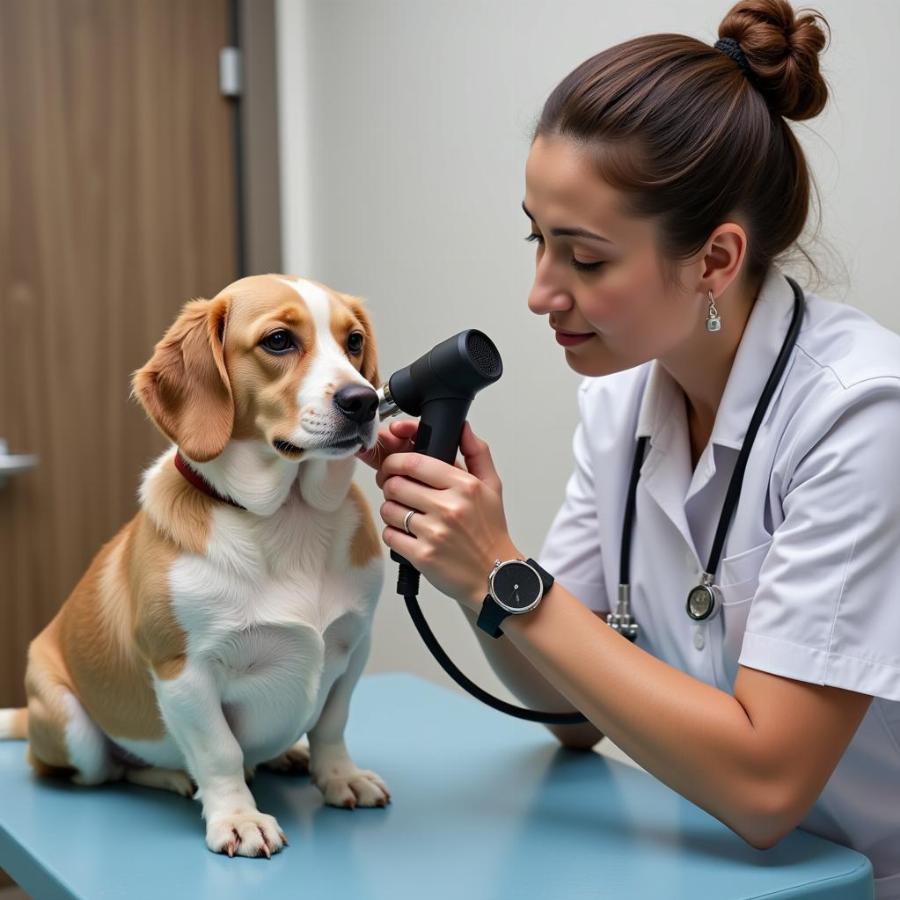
column 408, row 587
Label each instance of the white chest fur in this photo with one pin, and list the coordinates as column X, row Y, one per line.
column 291, row 568
column 273, row 610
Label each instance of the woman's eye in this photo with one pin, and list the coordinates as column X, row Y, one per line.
column 576, row 264
column 278, row 342
column 355, row 342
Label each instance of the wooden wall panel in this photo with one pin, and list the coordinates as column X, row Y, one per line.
column 116, row 206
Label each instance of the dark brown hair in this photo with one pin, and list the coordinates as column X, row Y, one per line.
column 690, row 140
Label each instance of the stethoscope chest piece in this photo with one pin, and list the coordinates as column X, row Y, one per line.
column 705, row 600
column 622, row 620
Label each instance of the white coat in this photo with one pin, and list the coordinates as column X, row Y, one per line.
column 810, row 569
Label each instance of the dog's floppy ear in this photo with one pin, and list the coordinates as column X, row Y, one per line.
column 369, row 368
column 184, row 387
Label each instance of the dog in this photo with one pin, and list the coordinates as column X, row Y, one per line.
column 232, row 615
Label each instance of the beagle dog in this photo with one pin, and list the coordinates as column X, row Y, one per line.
column 232, row 615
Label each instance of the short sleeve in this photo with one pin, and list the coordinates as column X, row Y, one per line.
column 571, row 548
column 827, row 608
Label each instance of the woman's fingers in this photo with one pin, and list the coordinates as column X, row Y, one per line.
column 405, row 428
column 396, row 437
column 478, row 458
column 402, row 440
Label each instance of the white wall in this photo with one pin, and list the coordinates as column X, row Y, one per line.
column 405, row 126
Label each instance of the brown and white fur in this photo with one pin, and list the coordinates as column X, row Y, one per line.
column 205, row 640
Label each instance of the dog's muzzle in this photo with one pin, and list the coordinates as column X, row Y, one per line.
column 358, row 405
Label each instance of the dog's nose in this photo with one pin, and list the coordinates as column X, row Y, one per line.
column 357, row 402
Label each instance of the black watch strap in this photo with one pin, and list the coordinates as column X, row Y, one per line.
column 492, row 614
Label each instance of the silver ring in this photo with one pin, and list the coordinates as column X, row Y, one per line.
column 406, row 519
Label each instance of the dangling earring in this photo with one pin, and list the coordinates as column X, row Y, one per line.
column 713, row 319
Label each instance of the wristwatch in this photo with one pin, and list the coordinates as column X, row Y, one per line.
column 515, row 586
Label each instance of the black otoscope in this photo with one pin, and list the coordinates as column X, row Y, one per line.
column 439, row 387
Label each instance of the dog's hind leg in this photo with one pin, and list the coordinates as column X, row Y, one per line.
column 294, row 761
column 175, row 780
column 62, row 737
column 88, row 746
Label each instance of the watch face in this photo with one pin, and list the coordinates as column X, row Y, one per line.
column 517, row 587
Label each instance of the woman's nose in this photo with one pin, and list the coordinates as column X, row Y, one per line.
column 549, row 292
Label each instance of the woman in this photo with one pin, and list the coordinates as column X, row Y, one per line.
column 661, row 184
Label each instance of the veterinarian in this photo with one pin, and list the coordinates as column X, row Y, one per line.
column 730, row 619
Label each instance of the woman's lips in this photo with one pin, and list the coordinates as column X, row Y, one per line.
column 569, row 340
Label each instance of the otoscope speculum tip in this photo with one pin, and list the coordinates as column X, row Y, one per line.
column 386, row 405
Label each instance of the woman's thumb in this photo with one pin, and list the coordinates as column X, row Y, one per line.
column 477, row 455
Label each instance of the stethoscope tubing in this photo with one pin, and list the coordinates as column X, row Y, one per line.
column 623, row 620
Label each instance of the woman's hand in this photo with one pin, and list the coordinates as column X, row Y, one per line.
column 397, row 437
column 459, row 526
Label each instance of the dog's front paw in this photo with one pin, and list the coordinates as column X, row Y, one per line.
column 245, row 832
column 358, row 787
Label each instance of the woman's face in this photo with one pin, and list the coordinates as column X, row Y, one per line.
column 622, row 299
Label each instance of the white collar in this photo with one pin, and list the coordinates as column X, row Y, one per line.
column 760, row 344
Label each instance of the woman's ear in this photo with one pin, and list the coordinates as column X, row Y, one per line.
column 184, row 387
column 369, row 367
column 723, row 257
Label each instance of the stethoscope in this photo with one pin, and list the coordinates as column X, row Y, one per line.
column 705, row 600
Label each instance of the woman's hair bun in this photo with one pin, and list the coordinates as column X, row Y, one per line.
column 782, row 50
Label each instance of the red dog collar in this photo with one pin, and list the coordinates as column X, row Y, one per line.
column 199, row 482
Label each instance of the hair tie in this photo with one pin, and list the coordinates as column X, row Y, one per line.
column 731, row 48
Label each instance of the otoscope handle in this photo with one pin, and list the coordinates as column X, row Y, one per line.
column 440, row 427
column 439, row 387
column 438, row 435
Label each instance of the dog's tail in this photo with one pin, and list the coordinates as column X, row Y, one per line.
column 13, row 724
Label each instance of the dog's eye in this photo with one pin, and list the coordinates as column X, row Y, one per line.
column 355, row 342
column 278, row 342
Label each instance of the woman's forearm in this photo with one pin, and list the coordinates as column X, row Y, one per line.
column 532, row 689
column 693, row 737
